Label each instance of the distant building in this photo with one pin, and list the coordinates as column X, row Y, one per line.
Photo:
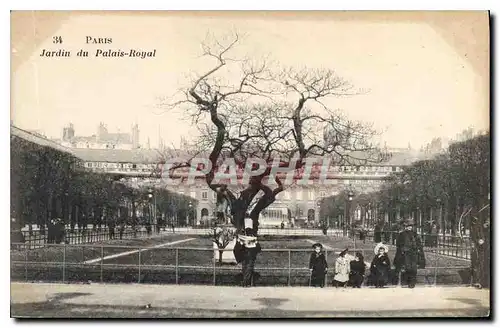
column 295, row 203
column 103, row 139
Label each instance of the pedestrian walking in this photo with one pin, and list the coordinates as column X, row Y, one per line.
column 16, row 235
column 342, row 269
column 386, row 231
column 377, row 233
column 380, row 266
column 111, row 227
column 317, row 266
column 51, row 231
column 59, row 231
column 121, row 229
column 362, row 235
column 410, row 255
column 358, row 268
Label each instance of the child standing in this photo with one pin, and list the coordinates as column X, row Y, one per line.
column 380, row 266
column 318, row 266
column 357, row 274
column 342, row 269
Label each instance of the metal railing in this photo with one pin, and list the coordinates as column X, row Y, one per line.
column 36, row 239
column 453, row 246
column 189, row 265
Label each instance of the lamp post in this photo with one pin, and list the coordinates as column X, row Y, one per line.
column 419, row 213
column 189, row 212
column 152, row 197
column 368, row 215
column 441, row 218
column 318, row 204
column 347, row 220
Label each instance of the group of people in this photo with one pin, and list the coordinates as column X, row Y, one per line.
column 350, row 271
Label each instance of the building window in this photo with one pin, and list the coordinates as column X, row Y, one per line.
column 311, row 194
column 393, row 169
column 286, row 194
column 298, row 195
column 134, row 166
column 322, row 193
column 204, row 195
column 193, row 194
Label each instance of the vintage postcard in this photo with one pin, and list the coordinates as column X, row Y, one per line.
column 256, row 164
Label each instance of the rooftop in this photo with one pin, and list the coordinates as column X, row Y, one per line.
column 135, row 156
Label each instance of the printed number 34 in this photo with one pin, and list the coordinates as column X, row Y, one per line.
column 57, row 39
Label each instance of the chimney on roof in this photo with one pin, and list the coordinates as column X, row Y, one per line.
column 135, row 136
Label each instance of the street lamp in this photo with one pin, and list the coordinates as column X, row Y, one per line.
column 441, row 219
column 152, row 197
column 369, row 215
column 419, row 213
column 190, row 205
column 347, row 221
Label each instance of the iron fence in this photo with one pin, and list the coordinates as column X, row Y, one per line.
column 37, row 238
column 449, row 245
column 453, row 246
column 189, row 265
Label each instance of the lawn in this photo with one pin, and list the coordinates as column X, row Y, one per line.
column 159, row 265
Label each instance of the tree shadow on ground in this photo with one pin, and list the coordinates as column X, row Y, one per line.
column 468, row 301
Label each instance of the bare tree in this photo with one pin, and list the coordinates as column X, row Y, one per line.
column 267, row 114
column 221, row 236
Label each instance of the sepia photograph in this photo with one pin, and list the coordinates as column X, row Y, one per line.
column 250, row 164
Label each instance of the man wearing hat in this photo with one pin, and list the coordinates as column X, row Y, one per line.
column 246, row 250
column 409, row 254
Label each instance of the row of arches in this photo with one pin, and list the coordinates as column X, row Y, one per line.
column 270, row 214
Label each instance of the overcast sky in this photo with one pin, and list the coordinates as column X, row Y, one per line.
column 420, row 86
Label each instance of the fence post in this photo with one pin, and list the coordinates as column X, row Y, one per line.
column 326, row 274
column 139, row 278
column 176, row 266
column 289, row 267
column 64, row 264
column 214, row 269
column 26, row 265
column 435, row 267
column 102, row 260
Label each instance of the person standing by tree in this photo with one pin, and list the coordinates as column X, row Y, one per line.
column 409, row 254
column 245, row 251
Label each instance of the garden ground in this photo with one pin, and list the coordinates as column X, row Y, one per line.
column 188, row 301
column 181, row 259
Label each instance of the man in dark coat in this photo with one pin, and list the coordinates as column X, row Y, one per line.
column 245, row 251
column 16, row 235
column 409, row 254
